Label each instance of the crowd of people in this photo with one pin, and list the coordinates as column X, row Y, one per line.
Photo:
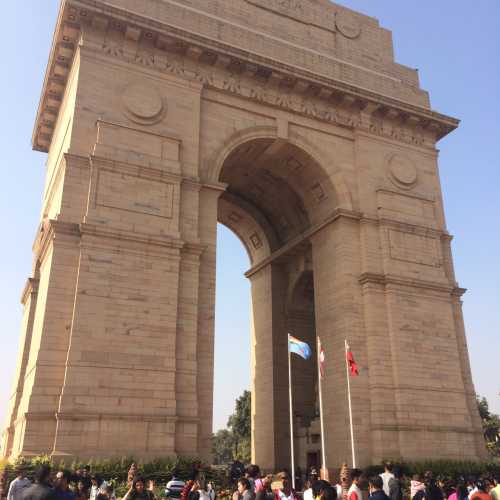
column 389, row 485
column 59, row 485
column 250, row 484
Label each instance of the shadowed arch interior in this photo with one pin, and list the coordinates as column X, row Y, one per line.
column 279, row 187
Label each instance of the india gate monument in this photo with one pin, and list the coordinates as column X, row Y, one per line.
column 289, row 122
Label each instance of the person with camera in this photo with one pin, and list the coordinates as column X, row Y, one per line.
column 199, row 489
column 138, row 490
column 285, row 492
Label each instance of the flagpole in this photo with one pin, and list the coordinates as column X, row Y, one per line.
column 350, row 407
column 292, row 455
column 322, row 425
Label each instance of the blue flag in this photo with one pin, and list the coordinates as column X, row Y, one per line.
column 298, row 347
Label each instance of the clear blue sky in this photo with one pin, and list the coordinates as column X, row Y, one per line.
column 454, row 45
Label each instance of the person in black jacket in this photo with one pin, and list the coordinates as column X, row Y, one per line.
column 376, row 485
column 396, row 484
column 41, row 490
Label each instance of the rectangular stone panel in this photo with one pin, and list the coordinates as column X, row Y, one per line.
column 294, row 9
column 130, row 145
column 134, row 194
column 406, row 208
column 415, row 248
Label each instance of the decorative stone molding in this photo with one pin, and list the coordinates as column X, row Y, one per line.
column 303, row 238
column 31, row 287
column 114, row 416
column 299, row 10
column 225, row 68
column 143, row 104
column 386, row 280
column 347, row 25
column 288, row 93
column 144, row 239
column 402, row 171
column 426, row 428
column 193, row 249
column 48, row 231
column 408, row 227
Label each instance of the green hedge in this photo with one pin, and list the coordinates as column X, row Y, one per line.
column 446, row 469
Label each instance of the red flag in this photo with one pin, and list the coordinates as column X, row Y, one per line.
column 353, row 367
column 321, row 360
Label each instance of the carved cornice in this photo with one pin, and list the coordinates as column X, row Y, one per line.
column 61, row 57
column 386, row 280
column 31, row 287
column 219, row 187
column 458, row 292
column 49, row 228
column 96, row 416
column 116, row 416
column 87, row 228
column 193, row 249
column 424, row 428
column 407, row 226
column 226, row 68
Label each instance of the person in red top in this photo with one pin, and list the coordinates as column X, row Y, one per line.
column 354, row 492
column 481, row 493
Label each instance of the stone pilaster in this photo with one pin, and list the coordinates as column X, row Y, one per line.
column 35, row 426
column 28, row 299
column 270, row 424
column 339, row 317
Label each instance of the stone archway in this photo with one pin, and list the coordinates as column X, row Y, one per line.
column 275, row 195
column 161, row 118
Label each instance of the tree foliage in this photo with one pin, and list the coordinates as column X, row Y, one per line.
column 234, row 442
column 491, row 427
column 239, row 421
column 223, row 447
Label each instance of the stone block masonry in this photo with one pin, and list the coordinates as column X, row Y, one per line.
column 291, row 123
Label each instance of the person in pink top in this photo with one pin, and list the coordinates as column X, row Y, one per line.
column 416, row 485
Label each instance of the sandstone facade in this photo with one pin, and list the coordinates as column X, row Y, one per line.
column 289, row 122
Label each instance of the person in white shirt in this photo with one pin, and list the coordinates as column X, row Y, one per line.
column 386, row 476
column 473, row 491
column 339, row 490
column 96, row 483
column 355, row 492
column 199, row 490
column 17, row 486
column 308, row 492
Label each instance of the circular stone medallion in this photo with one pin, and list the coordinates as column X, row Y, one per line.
column 347, row 25
column 402, row 171
column 143, row 104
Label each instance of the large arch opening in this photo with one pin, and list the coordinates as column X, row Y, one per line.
column 232, row 326
column 276, row 193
